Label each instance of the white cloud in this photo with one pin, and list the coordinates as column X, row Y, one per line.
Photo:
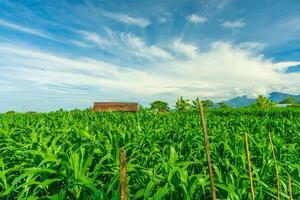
column 93, row 37
column 44, row 68
column 252, row 46
column 80, row 44
column 6, row 86
column 196, row 18
column 128, row 19
column 126, row 44
column 185, row 49
column 221, row 72
column 283, row 66
column 234, row 24
column 24, row 29
column 260, row 90
column 138, row 47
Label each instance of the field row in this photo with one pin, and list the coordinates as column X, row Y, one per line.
column 75, row 154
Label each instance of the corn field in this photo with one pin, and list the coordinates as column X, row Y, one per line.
column 75, row 155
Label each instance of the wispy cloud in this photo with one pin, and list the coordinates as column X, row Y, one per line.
column 256, row 46
column 137, row 21
column 138, row 47
column 234, row 24
column 194, row 18
column 24, row 29
column 80, row 43
column 141, row 52
column 126, row 45
column 93, row 37
column 187, row 50
column 221, row 72
column 43, row 69
column 6, row 86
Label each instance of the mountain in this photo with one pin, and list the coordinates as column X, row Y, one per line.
column 246, row 101
column 278, row 96
column 240, row 101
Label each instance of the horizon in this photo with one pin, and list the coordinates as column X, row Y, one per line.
column 69, row 54
column 231, row 104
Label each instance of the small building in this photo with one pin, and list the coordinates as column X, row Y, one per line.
column 115, row 106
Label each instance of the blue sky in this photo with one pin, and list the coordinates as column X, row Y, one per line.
column 70, row 53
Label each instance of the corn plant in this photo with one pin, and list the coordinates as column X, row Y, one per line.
column 75, row 155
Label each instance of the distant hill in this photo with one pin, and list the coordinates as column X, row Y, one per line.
column 246, row 101
column 240, row 101
column 278, row 96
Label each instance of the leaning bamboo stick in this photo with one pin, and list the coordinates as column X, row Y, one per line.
column 290, row 188
column 210, row 171
column 123, row 173
column 276, row 168
column 249, row 166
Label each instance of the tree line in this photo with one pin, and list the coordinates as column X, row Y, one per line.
column 183, row 105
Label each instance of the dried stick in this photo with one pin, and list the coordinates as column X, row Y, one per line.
column 211, row 176
column 290, row 188
column 249, row 166
column 123, row 173
column 276, row 168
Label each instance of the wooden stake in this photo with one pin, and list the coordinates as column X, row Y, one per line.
column 211, row 176
column 276, row 168
column 290, row 188
column 123, row 173
column 249, row 166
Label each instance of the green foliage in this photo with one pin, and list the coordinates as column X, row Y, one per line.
column 289, row 100
column 11, row 112
column 183, row 105
column 223, row 105
column 294, row 105
column 205, row 104
column 196, row 105
column 263, row 102
column 160, row 106
column 75, row 155
column 31, row 112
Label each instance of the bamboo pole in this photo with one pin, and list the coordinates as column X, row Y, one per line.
column 249, row 166
column 123, row 173
column 210, row 171
column 276, row 168
column 290, row 188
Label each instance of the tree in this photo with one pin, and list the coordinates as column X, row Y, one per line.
column 11, row 112
column 263, row 102
column 205, row 104
column 160, row 106
column 223, row 105
column 289, row 100
column 183, row 105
